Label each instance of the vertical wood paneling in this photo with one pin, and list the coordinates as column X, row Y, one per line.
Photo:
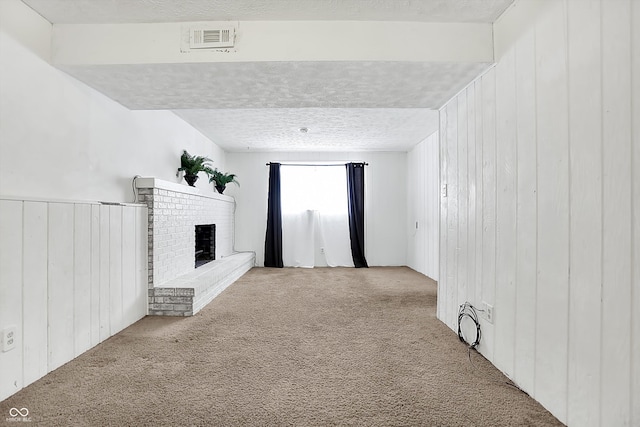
column 419, row 214
column 115, row 268
column 586, row 211
column 11, row 293
column 421, row 196
column 553, row 211
column 526, row 251
column 434, row 203
column 95, row 275
column 432, row 182
column 51, row 256
column 105, row 293
column 411, row 191
column 463, row 200
column 452, row 212
column 128, row 255
column 141, row 260
column 472, row 284
column 34, row 304
column 82, row 278
column 635, row 179
column 560, row 112
column 423, row 167
column 616, row 267
column 417, row 227
column 428, row 178
column 411, row 215
column 60, row 278
column 443, row 283
column 479, row 138
column 488, row 205
column 421, row 236
column 506, row 244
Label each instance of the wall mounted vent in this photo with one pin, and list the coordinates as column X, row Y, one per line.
column 212, row 38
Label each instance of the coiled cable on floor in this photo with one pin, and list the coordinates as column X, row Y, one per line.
column 467, row 310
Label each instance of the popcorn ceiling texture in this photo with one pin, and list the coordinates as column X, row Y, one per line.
column 261, row 105
column 312, row 84
column 370, row 129
column 92, row 11
column 225, row 91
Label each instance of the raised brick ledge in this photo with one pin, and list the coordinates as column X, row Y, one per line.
column 150, row 183
column 188, row 294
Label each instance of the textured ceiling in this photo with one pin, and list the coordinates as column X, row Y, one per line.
column 355, row 106
column 250, row 85
column 138, row 11
column 260, row 106
column 360, row 129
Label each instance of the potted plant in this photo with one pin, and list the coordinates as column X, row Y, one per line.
column 192, row 165
column 222, row 179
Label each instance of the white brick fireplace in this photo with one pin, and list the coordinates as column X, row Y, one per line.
column 174, row 211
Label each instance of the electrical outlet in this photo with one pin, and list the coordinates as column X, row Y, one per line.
column 443, row 190
column 8, row 338
column 322, row 250
column 488, row 312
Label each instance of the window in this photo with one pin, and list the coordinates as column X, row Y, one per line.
column 314, row 188
column 315, row 222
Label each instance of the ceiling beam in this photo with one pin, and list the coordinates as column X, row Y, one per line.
column 278, row 41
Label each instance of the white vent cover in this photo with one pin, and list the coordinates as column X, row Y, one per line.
column 212, row 38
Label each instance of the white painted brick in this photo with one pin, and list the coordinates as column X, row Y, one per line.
column 172, row 230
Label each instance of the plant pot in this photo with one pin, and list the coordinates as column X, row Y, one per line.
column 191, row 179
column 220, row 188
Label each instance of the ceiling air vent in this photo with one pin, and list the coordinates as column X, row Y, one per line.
column 211, row 38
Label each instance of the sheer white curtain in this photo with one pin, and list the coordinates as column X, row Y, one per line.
column 314, row 214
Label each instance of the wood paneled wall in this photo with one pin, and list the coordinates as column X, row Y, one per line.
column 542, row 220
column 71, row 275
column 423, row 206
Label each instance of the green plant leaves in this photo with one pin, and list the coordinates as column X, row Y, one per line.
column 192, row 165
column 222, row 179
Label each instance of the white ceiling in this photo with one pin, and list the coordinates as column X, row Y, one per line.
column 329, row 129
column 327, row 84
column 138, row 11
column 260, row 106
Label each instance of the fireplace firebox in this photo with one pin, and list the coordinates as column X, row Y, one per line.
column 205, row 244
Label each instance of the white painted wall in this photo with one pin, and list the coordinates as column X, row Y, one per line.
column 71, row 273
column 540, row 156
column 73, row 142
column 71, row 276
column 385, row 200
column 423, row 206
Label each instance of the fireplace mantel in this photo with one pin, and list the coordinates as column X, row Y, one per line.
column 150, row 182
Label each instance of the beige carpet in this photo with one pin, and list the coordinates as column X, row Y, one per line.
column 296, row 347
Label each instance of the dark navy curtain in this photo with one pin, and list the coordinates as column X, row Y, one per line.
column 273, row 240
column 355, row 194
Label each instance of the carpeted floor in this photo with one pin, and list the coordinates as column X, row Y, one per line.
column 298, row 347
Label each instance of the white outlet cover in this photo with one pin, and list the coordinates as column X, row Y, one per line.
column 488, row 312
column 8, row 338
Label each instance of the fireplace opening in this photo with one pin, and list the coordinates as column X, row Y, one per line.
column 205, row 244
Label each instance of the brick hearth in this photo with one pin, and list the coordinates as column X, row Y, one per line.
column 174, row 211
